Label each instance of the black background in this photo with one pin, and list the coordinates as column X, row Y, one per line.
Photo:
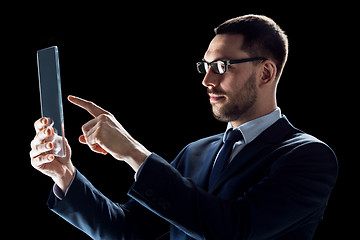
column 138, row 62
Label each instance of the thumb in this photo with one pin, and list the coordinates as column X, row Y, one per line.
column 96, row 148
column 82, row 139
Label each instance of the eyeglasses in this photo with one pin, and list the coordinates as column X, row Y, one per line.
column 221, row 66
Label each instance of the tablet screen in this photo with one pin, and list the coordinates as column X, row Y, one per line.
column 50, row 93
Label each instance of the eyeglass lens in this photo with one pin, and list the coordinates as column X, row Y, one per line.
column 217, row 67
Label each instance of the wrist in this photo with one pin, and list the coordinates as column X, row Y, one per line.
column 138, row 157
column 64, row 180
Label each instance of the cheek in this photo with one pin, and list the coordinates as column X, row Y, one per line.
column 232, row 83
column 235, row 79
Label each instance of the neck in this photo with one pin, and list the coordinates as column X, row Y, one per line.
column 254, row 113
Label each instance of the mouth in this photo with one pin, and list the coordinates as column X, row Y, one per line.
column 214, row 98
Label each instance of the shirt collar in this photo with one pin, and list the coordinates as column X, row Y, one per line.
column 250, row 130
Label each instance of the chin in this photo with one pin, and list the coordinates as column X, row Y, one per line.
column 219, row 114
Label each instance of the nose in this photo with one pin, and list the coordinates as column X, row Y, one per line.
column 211, row 79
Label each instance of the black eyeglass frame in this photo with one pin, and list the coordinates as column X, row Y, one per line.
column 226, row 63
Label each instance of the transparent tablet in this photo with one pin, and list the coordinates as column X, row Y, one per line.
column 50, row 94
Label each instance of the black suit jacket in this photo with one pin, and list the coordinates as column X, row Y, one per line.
column 277, row 187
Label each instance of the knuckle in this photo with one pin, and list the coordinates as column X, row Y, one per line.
column 83, row 128
column 98, row 133
column 90, row 103
column 98, row 138
column 37, row 147
column 101, row 125
column 31, row 154
column 35, row 142
column 103, row 117
column 35, row 162
column 38, row 123
column 32, row 143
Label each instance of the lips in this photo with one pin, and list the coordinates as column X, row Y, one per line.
column 216, row 98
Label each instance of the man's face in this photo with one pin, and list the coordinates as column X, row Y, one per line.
column 233, row 95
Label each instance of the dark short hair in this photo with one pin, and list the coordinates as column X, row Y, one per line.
column 262, row 38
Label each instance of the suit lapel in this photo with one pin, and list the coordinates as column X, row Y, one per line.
column 260, row 145
column 209, row 157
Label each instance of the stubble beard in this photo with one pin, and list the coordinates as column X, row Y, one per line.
column 237, row 106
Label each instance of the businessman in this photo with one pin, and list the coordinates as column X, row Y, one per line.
column 260, row 179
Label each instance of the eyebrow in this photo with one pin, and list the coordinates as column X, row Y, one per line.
column 222, row 59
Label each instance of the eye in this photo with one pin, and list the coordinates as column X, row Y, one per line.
column 220, row 67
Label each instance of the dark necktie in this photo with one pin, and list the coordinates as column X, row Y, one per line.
column 231, row 137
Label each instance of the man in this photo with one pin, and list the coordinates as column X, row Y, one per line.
column 261, row 179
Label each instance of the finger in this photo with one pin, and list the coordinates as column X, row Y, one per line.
column 94, row 147
column 41, row 149
column 47, row 134
column 40, row 160
column 41, row 123
column 93, row 141
column 91, row 107
column 89, row 125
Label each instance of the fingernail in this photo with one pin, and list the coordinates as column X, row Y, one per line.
column 43, row 120
column 50, row 157
column 49, row 145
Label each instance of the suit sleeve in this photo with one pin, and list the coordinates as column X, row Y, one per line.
column 90, row 211
column 291, row 195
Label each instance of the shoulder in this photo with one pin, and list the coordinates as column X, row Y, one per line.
column 285, row 136
column 303, row 141
column 206, row 141
column 304, row 151
column 291, row 147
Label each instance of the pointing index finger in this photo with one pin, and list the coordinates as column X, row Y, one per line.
column 89, row 106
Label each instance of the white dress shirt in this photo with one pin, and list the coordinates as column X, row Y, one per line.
column 250, row 130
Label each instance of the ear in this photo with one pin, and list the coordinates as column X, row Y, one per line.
column 269, row 71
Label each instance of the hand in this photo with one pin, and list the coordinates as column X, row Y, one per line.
column 43, row 147
column 104, row 134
